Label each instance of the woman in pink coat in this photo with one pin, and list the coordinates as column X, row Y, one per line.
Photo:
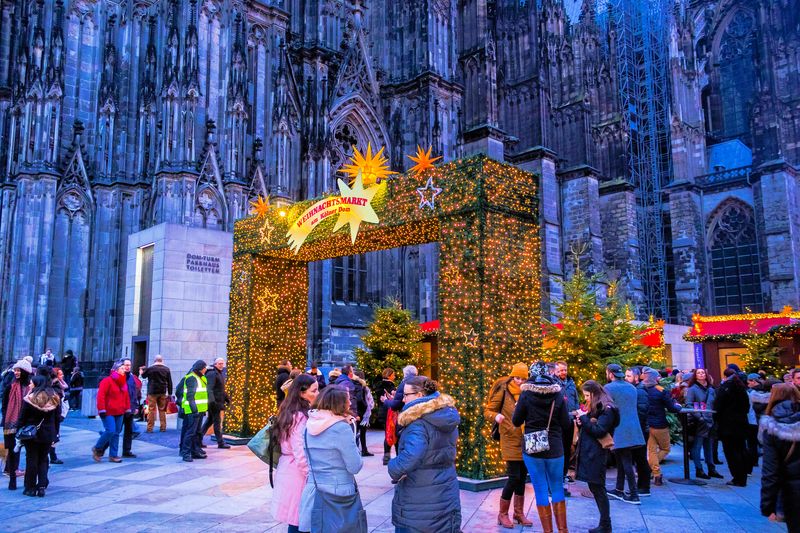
column 290, row 477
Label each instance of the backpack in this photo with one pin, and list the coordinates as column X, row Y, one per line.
column 266, row 448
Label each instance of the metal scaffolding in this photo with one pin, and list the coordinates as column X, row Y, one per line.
column 642, row 61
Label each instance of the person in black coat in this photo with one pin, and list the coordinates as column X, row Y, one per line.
column 599, row 421
column 386, row 388
column 779, row 433
column 68, row 362
column 284, row 369
column 41, row 406
column 541, row 407
column 316, row 374
column 75, row 389
column 218, row 399
column 730, row 417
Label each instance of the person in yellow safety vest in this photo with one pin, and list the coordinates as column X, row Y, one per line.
column 194, row 406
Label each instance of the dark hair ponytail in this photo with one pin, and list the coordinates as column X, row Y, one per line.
column 423, row 384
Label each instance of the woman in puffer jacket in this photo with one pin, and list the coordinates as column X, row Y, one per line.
column 779, row 433
column 426, row 497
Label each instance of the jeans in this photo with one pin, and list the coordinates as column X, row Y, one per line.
column 127, row 432
column 624, row 458
column 190, row 434
column 601, row 499
column 515, row 484
column 643, row 471
column 112, row 427
column 157, row 402
column 36, row 465
column 546, row 474
column 704, row 444
column 214, row 419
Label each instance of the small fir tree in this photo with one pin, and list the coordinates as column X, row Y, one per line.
column 762, row 353
column 393, row 339
column 591, row 336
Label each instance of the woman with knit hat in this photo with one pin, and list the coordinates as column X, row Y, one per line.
column 13, row 396
column 500, row 408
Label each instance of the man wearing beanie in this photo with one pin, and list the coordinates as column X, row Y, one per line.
column 659, row 401
column 503, row 398
column 194, row 405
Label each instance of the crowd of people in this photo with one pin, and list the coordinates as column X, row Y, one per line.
column 36, row 398
column 548, row 431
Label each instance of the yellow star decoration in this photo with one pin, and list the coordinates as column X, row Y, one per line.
column 266, row 230
column 471, row 338
column 260, row 207
column 423, row 160
column 268, row 301
column 354, row 214
column 373, row 168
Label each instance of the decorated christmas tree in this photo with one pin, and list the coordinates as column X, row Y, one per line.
column 762, row 354
column 589, row 336
column 393, row 340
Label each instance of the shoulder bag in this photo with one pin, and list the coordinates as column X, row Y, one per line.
column 539, row 441
column 29, row 432
column 331, row 513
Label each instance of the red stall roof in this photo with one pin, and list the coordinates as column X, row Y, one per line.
column 651, row 337
column 732, row 326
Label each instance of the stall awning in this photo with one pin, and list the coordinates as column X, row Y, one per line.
column 734, row 327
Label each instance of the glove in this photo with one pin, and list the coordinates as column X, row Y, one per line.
column 102, row 415
column 365, row 423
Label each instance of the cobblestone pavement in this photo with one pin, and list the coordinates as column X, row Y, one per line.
column 229, row 492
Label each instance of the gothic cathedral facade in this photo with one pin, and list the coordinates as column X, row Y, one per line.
column 117, row 115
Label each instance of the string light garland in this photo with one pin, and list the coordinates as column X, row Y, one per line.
column 489, row 263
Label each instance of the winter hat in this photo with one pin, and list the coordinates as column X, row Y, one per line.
column 539, row 368
column 754, row 377
column 650, row 376
column 28, row 358
column 24, row 364
column 735, row 368
column 198, row 365
column 687, row 376
column 520, row 370
column 333, row 374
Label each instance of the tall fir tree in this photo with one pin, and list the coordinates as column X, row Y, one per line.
column 393, row 340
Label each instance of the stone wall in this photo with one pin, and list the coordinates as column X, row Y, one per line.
column 189, row 314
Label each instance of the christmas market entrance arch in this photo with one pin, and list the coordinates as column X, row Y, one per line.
column 483, row 213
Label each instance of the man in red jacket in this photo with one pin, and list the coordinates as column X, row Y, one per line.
column 113, row 401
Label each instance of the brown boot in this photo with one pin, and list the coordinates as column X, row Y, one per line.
column 545, row 517
column 519, row 511
column 502, row 516
column 560, row 510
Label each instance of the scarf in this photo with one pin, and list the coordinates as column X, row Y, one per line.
column 11, row 416
column 514, row 390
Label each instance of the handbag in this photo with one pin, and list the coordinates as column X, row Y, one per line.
column 28, row 432
column 266, row 448
column 606, row 441
column 391, row 427
column 539, row 441
column 331, row 513
column 496, row 426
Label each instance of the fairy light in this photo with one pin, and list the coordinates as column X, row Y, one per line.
column 486, row 221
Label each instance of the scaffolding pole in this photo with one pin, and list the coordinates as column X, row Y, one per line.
column 642, row 61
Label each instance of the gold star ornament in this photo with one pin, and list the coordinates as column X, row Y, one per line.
column 423, row 160
column 356, row 206
column 373, row 168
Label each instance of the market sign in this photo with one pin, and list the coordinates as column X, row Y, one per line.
column 351, row 206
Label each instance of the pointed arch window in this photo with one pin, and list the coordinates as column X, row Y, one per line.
column 735, row 266
column 737, row 74
column 350, row 279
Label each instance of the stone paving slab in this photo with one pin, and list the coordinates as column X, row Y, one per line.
column 230, row 492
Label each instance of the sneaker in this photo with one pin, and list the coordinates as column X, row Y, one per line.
column 699, row 474
column 187, row 458
column 129, row 454
column 224, row 446
column 715, row 474
column 199, row 456
column 643, row 493
column 114, row 459
column 630, row 498
column 615, row 494
column 56, row 461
